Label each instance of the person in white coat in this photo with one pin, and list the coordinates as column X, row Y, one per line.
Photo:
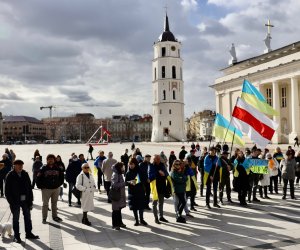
column 86, row 184
column 264, row 182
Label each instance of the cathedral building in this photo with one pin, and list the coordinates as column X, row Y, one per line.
column 276, row 74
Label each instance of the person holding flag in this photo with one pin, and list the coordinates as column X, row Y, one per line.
column 211, row 176
column 241, row 174
column 136, row 193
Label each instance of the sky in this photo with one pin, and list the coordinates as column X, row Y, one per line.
column 95, row 55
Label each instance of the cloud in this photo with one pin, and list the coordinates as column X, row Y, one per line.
column 189, row 5
column 11, row 97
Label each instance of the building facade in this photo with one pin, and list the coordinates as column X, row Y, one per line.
column 23, row 128
column 276, row 74
column 167, row 89
column 199, row 125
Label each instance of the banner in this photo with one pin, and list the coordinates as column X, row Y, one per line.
column 257, row 166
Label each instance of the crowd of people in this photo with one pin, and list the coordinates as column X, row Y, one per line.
column 158, row 177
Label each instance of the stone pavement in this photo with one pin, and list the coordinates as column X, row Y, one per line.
column 270, row 224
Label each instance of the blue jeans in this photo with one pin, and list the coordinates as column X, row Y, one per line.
column 15, row 210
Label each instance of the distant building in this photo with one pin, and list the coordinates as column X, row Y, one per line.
column 22, row 128
column 199, row 125
column 78, row 127
column 131, row 128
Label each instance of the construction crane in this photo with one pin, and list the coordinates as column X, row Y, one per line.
column 50, row 109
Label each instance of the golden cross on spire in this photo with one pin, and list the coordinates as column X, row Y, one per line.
column 269, row 25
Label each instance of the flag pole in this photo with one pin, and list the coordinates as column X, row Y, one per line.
column 232, row 142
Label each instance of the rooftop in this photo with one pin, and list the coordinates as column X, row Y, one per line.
column 21, row 118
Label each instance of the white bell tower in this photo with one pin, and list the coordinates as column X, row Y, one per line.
column 168, row 89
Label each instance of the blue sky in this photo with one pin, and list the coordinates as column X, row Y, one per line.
column 96, row 54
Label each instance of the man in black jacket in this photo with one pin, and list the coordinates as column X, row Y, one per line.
column 144, row 166
column 49, row 179
column 18, row 193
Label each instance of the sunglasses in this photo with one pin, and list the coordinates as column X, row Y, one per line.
column 86, row 167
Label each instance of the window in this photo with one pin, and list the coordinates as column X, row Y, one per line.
column 163, row 51
column 159, row 123
column 174, row 95
column 170, row 111
column 269, row 96
column 164, row 95
column 154, row 73
column 170, row 123
column 173, row 72
column 181, row 73
column 283, row 97
column 163, row 71
column 160, row 111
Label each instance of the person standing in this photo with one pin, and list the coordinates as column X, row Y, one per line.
column 241, row 172
column 182, row 153
column 49, row 179
column 91, row 149
column 296, row 142
column 118, row 183
column 144, row 166
column 59, row 162
column 157, row 175
column 13, row 155
column 73, row 170
column 98, row 164
column 253, row 177
column 7, row 166
column 179, row 181
column 125, row 159
column 164, row 159
column 136, row 193
column 225, row 168
column 288, row 168
column 107, row 172
column 172, row 158
column 36, row 166
column 201, row 169
column 19, row 195
column 211, row 177
column 278, row 155
column 192, row 163
column 86, row 184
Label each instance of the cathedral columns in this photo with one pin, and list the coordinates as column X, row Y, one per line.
column 276, row 106
column 294, row 109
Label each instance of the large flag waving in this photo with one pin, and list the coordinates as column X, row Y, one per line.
column 256, row 125
column 253, row 97
column 233, row 134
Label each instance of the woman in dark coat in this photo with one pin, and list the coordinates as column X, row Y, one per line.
column 118, row 183
column 241, row 183
column 136, row 193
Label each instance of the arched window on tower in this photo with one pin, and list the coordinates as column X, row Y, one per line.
column 174, row 95
column 173, row 72
column 181, row 73
column 164, row 95
column 163, row 72
column 154, row 73
column 163, row 51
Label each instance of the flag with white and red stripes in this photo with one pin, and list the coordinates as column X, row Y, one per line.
column 255, row 124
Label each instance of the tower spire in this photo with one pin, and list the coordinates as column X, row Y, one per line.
column 166, row 26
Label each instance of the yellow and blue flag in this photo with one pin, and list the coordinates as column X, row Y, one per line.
column 253, row 97
column 220, row 127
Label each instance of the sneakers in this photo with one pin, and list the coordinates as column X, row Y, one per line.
column 208, row 206
column 136, row 223
column 57, row 219
column 32, row 236
column 157, row 221
column 123, row 225
column 163, row 219
column 144, row 223
column 44, row 221
column 216, row 205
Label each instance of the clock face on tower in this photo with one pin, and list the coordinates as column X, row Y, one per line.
column 173, row 48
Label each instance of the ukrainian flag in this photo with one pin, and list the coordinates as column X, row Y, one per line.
column 253, row 97
column 220, row 127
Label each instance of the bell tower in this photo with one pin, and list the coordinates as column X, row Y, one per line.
column 167, row 89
